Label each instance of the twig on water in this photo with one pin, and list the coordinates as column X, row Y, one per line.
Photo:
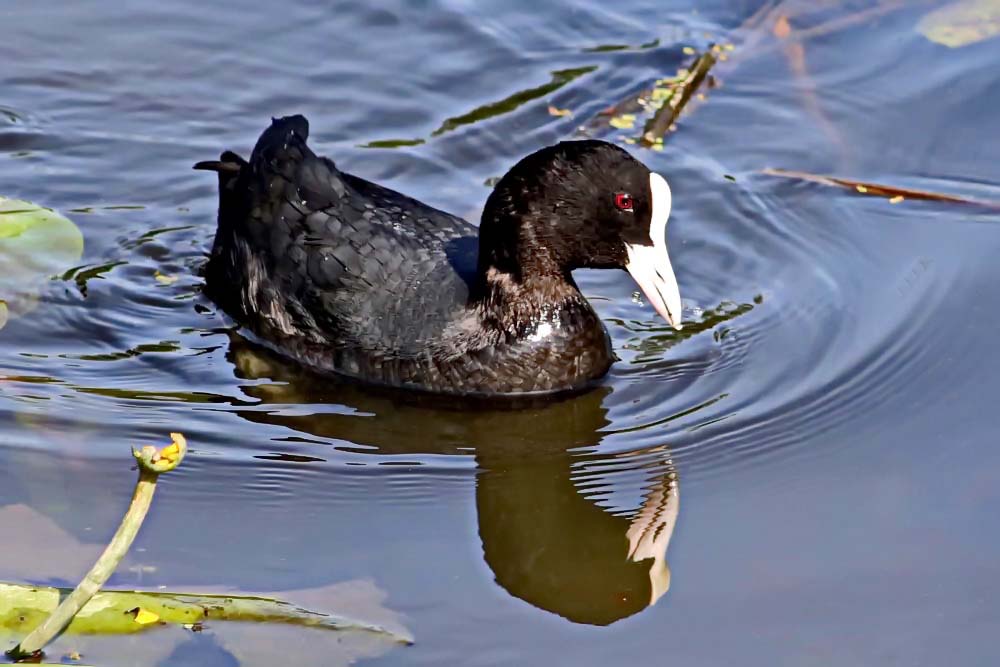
column 895, row 194
column 682, row 91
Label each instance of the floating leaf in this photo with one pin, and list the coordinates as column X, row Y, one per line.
column 556, row 111
column 659, row 94
column 624, row 122
column 35, row 242
column 962, row 22
column 129, row 612
column 256, row 630
column 46, row 551
column 164, row 279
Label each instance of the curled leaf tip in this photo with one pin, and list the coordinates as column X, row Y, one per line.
column 162, row 460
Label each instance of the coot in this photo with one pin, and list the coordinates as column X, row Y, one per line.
column 346, row 276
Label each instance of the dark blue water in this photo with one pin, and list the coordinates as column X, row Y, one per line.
column 828, row 417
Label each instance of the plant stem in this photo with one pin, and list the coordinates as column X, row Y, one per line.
column 881, row 189
column 151, row 464
column 665, row 116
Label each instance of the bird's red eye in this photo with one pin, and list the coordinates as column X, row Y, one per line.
column 623, row 201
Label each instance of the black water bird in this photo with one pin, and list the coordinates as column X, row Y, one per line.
column 346, row 276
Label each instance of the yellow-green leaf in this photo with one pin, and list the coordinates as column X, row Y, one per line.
column 962, row 22
column 257, row 630
column 35, row 242
column 23, row 607
column 163, row 278
column 661, row 94
column 624, row 122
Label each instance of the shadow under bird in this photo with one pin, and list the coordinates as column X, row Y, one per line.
column 349, row 277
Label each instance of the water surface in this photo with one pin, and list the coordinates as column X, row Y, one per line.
column 826, row 414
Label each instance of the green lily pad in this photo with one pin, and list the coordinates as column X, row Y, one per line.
column 35, row 242
column 962, row 22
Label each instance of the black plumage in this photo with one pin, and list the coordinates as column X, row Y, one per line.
column 346, row 276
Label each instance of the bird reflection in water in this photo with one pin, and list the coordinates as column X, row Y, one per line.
column 550, row 544
column 541, row 486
